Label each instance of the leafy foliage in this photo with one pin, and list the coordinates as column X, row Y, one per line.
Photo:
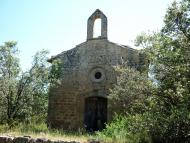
column 23, row 95
column 169, row 52
column 166, row 112
column 131, row 91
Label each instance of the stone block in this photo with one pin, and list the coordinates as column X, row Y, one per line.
column 5, row 139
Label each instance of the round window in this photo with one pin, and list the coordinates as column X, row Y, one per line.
column 97, row 75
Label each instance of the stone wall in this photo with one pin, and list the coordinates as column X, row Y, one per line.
column 90, row 27
column 28, row 139
column 67, row 101
column 79, row 65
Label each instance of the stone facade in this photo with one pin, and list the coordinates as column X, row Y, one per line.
column 80, row 101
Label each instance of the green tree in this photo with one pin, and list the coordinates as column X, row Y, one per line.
column 23, row 94
column 130, row 98
column 169, row 55
column 132, row 89
column 165, row 114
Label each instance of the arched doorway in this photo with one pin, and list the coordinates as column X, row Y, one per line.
column 95, row 115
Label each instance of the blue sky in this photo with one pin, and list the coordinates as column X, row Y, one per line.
column 59, row 25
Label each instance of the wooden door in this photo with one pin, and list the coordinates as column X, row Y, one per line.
column 95, row 115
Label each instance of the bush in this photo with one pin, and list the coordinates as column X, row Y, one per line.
column 131, row 129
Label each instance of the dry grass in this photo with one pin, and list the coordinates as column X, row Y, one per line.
column 41, row 131
column 53, row 137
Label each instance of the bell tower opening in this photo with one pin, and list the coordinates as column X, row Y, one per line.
column 97, row 18
column 97, row 28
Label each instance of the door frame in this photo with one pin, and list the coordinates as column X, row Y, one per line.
column 98, row 123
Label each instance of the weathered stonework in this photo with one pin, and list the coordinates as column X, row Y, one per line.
column 90, row 27
column 87, row 75
column 8, row 139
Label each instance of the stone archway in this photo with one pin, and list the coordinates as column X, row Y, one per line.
column 90, row 27
column 95, row 115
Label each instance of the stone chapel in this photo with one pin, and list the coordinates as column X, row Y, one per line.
column 80, row 101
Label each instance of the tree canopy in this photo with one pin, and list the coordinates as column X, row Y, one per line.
column 165, row 113
column 23, row 94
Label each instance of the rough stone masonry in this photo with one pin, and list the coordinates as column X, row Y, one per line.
column 87, row 74
column 28, row 139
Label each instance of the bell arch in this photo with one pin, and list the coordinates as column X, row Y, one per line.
column 90, row 25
